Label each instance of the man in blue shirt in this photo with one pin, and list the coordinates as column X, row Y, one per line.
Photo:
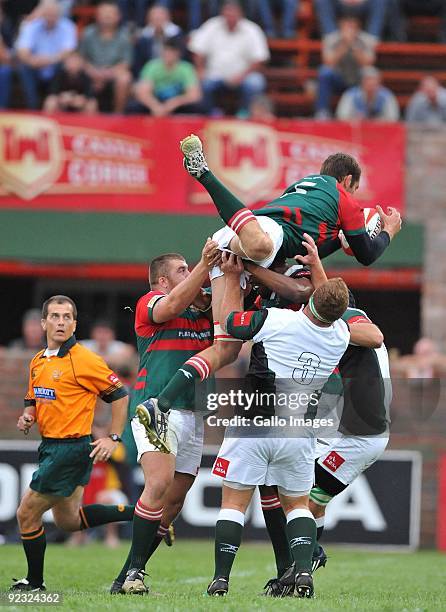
column 42, row 44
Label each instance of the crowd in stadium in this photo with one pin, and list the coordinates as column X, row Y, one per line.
column 134, row 58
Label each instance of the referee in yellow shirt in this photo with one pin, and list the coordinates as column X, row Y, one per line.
column 65, row 381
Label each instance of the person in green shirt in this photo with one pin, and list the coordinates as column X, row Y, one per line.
column 168, row 84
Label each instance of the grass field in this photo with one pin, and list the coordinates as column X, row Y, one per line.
column 352, row 580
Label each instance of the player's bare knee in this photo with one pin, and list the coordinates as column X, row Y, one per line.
column 67, row 522
column 260, row 248
column 23, row 516
column 156, row 490
column 27, row 518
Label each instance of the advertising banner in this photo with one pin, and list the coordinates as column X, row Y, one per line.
column 133, row 164
column 381, row 508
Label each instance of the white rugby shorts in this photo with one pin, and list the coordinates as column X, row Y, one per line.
column 184, row 436
column 224, row 236
column 285, row 462
column 347, row 457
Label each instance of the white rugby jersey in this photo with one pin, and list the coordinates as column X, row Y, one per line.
column 295, row 348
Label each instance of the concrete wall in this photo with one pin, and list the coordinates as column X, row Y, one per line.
column 426, row 203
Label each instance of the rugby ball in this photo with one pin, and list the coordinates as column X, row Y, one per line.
column 372, row 222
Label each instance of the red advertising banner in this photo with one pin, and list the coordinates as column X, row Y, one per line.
column 133, row 164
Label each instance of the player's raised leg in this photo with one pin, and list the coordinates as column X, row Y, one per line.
column 199, row 367
column 251, row 240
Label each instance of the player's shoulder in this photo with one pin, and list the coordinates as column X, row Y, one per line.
column 354, row 314
column 79, row 350
column 82, row 354
column 150, row 298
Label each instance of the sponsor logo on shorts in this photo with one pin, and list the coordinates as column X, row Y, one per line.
column 221, row 467
column 302, row 540
column 333, row 461
column 44, row 393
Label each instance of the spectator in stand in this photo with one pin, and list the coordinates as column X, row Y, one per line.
column 399, row 9
column 32, row 334
column 103, row 342
column 42, row 44
column 107, row 51
column 5, row 60
column 136, row 10
column 64, row 5
column 262, row 109
column 167, row 84
column 369, row 100
column 71, row 89
column 375, row 12
column 149, row 44
column 425, row 362
column 229, row 51
column 265, row 11
column 344, row 54
column 428, row 104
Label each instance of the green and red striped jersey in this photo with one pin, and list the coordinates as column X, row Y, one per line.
column 317, row 205
column 164, row 347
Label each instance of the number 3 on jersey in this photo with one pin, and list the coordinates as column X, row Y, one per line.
column 305, row 374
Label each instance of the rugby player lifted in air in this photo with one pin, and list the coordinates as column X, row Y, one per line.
column 318, row 205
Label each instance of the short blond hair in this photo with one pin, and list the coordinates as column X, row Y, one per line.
column 331, row 299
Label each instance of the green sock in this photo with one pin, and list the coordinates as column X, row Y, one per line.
column 301, row 530
column 34, row 544
column 226, row 203
column 145, row 526
column 228, row 535
column 100, row 514
column 125, row 568
column 183, row 380
column 276, row 526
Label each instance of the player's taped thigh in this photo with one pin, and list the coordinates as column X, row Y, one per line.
column 320, row 497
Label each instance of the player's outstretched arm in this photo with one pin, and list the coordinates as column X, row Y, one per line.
column 291, row 289
column 312, row 259
column 184, row 294
column 367, row 250
column 366, row 334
